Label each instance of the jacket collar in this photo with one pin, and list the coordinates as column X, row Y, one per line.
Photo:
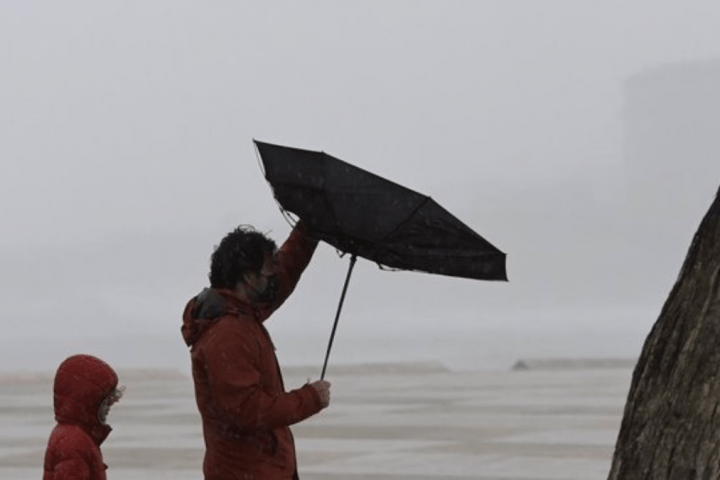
column 203, row 310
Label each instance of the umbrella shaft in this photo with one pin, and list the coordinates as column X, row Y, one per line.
column 337, row 315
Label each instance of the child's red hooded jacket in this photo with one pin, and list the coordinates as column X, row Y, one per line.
column 82, row 383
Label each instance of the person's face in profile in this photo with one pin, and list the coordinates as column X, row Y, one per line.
column 263, row 284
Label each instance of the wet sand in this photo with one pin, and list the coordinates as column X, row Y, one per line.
column 551, row 421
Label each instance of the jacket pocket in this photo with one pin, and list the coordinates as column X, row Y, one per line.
column 278, row 454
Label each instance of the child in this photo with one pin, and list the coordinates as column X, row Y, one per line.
column 85, row 388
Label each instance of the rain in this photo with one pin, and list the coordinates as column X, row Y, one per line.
column 580, row 138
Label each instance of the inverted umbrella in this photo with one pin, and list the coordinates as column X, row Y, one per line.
column 366, row 215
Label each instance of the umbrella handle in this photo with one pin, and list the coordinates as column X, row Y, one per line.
column 337, row 315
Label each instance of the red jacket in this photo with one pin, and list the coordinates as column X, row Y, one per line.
column 238, row 385
column 82, row 382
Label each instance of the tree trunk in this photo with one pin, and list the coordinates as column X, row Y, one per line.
column 671, row 425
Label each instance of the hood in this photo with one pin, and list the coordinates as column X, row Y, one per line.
column 82, row 383
column 210, row 305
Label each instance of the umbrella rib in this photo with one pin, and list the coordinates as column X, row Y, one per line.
column 259, row 157
column 400, row 224
column 285, row 213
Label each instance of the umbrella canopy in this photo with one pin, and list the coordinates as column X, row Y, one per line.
column 365, row 215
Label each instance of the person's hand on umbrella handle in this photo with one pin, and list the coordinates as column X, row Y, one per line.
column 322, row 387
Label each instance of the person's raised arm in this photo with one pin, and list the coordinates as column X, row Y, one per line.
column 291, row 259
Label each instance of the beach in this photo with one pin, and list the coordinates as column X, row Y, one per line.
column 548, row 419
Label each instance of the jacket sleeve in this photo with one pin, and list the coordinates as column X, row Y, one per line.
column 290, row 261
column 240, row 398
column 71, row 469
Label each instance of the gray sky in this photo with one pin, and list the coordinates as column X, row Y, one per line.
column 127, row 127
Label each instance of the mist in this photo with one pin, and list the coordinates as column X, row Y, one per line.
column 579, row 137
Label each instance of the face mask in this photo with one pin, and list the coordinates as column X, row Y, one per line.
column 271, row 290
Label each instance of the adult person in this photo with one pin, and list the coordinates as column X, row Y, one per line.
column 246, row 412
column 84, row 389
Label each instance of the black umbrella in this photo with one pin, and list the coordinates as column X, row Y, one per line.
column 365, row 215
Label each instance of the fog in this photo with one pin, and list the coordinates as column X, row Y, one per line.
column 579, row 137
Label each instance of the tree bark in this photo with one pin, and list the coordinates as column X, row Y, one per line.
column 671, row 425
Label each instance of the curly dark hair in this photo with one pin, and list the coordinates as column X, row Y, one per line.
column 240, row 251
